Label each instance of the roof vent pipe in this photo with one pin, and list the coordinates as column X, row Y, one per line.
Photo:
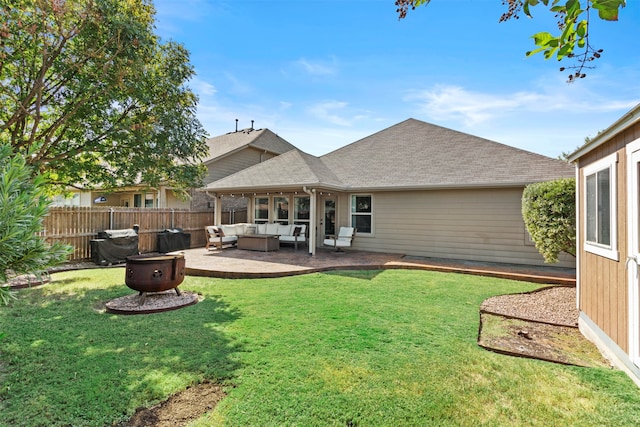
column 236, row 125
column 251, row 124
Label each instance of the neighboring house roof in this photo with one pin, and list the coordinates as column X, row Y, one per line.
column 616, row 128
column 292, row 169
column 409, row 155
column 261, row 139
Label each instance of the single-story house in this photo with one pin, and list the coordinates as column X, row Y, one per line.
column 608, row 236
column 414, row 188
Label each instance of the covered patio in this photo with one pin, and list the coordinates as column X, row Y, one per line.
column 237, row 264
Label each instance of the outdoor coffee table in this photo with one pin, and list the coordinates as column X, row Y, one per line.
column 259, row 242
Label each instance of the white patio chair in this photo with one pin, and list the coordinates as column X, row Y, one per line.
column 342, row 240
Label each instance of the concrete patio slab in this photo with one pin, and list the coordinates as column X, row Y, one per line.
column 237, row 263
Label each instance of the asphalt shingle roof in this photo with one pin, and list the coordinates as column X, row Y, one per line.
column 417, row 154
column 409, row 155
column 291, row 169
column 262, row 139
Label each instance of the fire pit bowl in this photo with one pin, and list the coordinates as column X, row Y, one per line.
column 154, row 272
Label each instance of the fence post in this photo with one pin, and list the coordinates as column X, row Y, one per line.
column 110, row 218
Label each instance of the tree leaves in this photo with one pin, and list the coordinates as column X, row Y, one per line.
column 608, row 9
column 88, row 89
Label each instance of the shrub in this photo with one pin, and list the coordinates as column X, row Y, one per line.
column 23, row 204
column 549, row 213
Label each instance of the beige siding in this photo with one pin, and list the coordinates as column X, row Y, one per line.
column 475, row 225
column 235, row 162
column 603, row 282
column 175, row 202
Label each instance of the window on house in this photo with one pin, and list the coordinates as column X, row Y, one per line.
column 261, row 210
column 600, row 207
column 149, row 200
column 137, row 200
column 362, row 213
column 301, row 209
column 281, row 209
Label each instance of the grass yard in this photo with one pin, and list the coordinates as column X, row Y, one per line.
column 388, row 348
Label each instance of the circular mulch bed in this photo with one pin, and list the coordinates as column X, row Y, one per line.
column 154, row 302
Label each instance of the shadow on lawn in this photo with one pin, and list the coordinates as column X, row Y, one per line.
column 124, row 362
column 363, row 273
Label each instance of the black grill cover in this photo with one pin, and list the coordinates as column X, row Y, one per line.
column 173, row 239
column 114, row 246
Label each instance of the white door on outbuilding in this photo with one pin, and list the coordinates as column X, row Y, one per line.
column 633, row 250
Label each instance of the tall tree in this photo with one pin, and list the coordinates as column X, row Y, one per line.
column 92, row 97
column 574, row 17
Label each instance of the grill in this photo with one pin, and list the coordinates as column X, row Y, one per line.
column 173, row 239
column 114, row 246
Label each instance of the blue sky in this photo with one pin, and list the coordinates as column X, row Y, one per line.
column 325, row 73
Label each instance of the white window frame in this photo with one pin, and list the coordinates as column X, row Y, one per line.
column 352, row 213
column 276, row 218
column 255, row 209
column 296, row 219
column 608, row 251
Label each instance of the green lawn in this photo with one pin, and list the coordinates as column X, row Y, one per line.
column 368, row 348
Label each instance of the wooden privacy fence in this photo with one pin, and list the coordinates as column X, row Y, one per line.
column 78, row 226
column 234, row 216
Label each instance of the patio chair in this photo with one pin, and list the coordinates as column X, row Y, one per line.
column 343, row 240
column 217, row 238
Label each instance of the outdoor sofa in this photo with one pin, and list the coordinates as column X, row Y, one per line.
column 226, row 235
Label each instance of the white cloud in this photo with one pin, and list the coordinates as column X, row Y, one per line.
column 202, row 88
column 318, row 68
column 328, row 111
column 455, row 103
column 238, row 87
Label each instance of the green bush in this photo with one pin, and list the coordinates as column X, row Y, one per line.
column 549, row 213
column 23, row 204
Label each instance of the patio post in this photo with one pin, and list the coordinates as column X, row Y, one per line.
column 217, row 212
column 312, row 219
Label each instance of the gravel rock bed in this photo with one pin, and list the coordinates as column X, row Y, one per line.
column 555, row 305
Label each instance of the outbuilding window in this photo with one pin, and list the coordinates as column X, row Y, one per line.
column 600, row 207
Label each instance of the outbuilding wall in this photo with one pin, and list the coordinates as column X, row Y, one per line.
column 603, row 285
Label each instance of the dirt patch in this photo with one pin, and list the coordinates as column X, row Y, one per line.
column 180, row 409
column 540, row 325
column 552, row 343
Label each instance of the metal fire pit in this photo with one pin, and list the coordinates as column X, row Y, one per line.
column 154, row 273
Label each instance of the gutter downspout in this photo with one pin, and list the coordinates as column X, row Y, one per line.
column 312, row 219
